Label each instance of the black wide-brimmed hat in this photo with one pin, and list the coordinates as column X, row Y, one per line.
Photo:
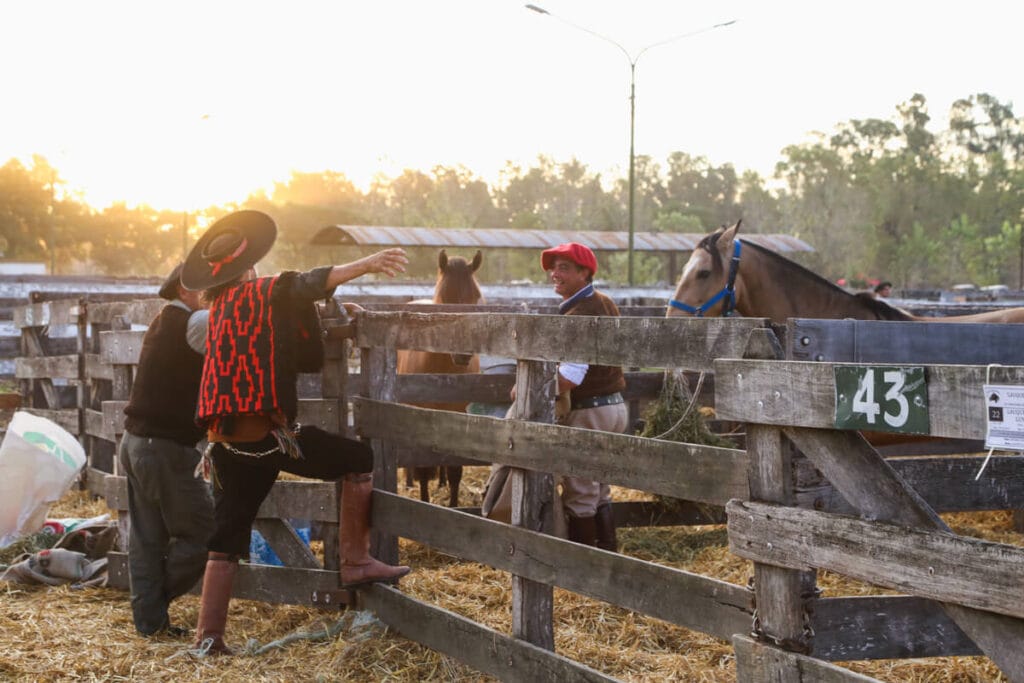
column 169, row 289
column 228, row 248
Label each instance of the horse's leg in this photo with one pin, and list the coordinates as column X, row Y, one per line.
column 442, row 476
column 408, row 478
column 454, row 479
column 423, row 476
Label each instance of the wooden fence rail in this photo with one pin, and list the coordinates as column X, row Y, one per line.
column 797, row 479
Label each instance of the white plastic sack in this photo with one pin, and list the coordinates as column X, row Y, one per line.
column 38, row 462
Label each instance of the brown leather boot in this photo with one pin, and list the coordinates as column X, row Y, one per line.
column 583, row 529
column 357, row 567
column 213, row 606
column 606, row 539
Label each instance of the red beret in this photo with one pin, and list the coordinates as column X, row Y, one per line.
column 575, row 252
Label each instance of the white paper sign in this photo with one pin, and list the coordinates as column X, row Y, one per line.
column 1004, row 417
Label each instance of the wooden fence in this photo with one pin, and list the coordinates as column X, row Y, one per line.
column 790, row 511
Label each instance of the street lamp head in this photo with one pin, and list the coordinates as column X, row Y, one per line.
column 538, row 10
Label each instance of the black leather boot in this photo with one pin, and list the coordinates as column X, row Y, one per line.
column 606, row 539
column 583, row 529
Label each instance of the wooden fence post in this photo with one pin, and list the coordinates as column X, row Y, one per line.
column 378, row 366
column 532, row 492
column 81, row 332
column 334, row 384
column 780, row 594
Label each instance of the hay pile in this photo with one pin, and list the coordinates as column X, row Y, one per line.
column 56, row 634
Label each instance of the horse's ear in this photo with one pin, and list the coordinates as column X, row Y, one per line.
column 478, row 258
column 442, row 260
column 725, row 241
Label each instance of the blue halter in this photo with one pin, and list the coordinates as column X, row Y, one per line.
column 728, row 292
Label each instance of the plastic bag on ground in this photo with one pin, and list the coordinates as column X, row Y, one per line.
column 39, row 460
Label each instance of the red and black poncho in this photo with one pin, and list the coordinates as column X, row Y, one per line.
column 257, row 336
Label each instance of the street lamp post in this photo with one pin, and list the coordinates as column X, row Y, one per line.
column 633, row 59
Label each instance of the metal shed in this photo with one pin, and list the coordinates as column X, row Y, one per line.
column 504, row 238
column 670, row 243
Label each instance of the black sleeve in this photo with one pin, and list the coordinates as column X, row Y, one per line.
column 310, row 285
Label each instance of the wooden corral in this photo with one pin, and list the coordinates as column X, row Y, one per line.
column 802, row 496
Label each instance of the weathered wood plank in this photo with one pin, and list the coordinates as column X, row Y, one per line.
column 275, row 585
column 9, row 346
column 379, row 367
column 690, row 600
column 641, row 513
column 930, row 564
column 532, row 505
column 482, row 648
column 484, row 388
column 915, row 343
column 113, row 418
column 66, row 417
column 947, row 484
column 96, row 369
column 95, row 483
column 900, row 626
column 114, row 489
column 286, row 543
column 46, row 367
column 781, row 594
column 288, row 499
column 319, row 412
column 48, row 313
column 689, row 343
column 692, row 472
column 95, row 425
column 803, row 394
column 865, row 479
column 139, row 312
column 757, row 662
column 121, row 347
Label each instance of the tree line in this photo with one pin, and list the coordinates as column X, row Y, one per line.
column 889, row 198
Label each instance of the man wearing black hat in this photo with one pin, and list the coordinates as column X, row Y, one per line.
column 170, row 511
column 263, row 331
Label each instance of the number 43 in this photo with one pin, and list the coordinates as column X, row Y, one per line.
column 864, row 400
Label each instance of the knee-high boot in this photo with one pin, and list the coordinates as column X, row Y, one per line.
column 582, row 529
column 606, row 539
column 357, row 566
column 213, row 606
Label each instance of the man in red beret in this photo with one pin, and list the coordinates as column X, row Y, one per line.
column 594, row 390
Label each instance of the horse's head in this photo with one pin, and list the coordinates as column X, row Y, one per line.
column 707, row 284
column 456, row 284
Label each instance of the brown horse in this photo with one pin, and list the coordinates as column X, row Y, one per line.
column 726, row 275
column 456, row 284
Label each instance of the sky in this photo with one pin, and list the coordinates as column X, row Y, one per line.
column 187, row 104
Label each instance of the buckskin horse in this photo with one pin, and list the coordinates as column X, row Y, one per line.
column 456, row 284
column 726, row 275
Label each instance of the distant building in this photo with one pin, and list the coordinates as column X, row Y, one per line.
column 22, row 268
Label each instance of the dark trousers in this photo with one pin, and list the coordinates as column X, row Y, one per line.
column 171, row 515
column 243, row 481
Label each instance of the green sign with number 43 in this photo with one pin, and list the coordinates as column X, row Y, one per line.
column 881, row 399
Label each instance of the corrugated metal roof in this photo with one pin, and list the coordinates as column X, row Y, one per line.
column 504, row 238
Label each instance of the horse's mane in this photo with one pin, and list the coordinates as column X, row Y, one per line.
column 876, row 307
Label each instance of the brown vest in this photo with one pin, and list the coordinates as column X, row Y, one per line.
column 600, row 379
